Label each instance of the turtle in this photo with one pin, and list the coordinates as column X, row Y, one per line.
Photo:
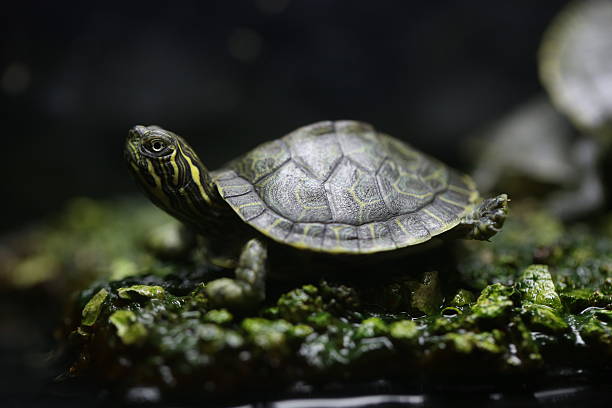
column 332, row 190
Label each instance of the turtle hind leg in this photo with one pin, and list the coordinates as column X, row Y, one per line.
column 487, row 219
column 248, row 288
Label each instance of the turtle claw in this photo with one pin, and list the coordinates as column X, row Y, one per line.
column 488, row 218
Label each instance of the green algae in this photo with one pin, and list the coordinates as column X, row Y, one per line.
column 493, row 302
column 92, row 309
column 371, row 327
column 304, row 338
column 300, row 303
column 466, row 343
column 544, row 319
column 462, row 298
column 404, row 330
column 141, row 290
column 536, row 287
column 542, row 303
column 536, row 299
column 129, row 329
column 217, row 316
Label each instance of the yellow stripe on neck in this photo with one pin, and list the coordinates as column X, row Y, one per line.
column 175, row 171
column 195, row 174
column 159, row 192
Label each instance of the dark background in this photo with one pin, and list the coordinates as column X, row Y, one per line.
column 228, row 75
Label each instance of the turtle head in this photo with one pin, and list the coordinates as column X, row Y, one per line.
column 169, row 171
column 151, row 153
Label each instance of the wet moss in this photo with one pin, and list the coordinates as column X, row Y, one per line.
column 538, row 298
column 494, row 302
column 129, row 329
column 141, row 290
column 92, row 309
column 404, row 330
column 535, row 286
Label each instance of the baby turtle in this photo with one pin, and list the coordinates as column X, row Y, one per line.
column 329, row 190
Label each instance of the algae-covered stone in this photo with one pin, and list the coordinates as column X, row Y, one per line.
column 467, row 342
column 298, row 304
column 493, row 302
column 343, row 346
column 525, row 351
column 426, row 296
column 462, row 298
column 267, row 334
column 598, row 333
column 323, row 351
column 321, row 320
column 159, row 329
column 404, row 330
column 211, row 338
column 454, row 323
column 141, row 290
column 544, row 318
column 218, row 316
column 129, row 329
column 578, row 300
column 536, row 286
column 339, row 298
column 301, row 331
column 92, row 309
column 372, row 327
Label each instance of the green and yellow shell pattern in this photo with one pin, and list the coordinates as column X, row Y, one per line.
column 342, row 187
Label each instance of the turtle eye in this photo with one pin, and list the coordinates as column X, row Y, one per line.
column 156, row 147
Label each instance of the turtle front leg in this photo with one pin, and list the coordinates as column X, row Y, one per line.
column 487, row 219
column 248, row 288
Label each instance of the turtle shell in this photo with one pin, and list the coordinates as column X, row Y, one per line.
column 342, row 187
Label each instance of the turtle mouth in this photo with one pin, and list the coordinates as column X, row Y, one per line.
column 137, row 161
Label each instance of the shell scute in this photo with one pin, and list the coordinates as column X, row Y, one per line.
column 403, row 191
column 408, row 229
column 374, row 236
column 317, row 153
column 341, row 238
column 295, row 194
column 271, row 223
column 360, row 144
column 354, row 195
column 434, row 174
column 262, row 161
column 307, row 235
